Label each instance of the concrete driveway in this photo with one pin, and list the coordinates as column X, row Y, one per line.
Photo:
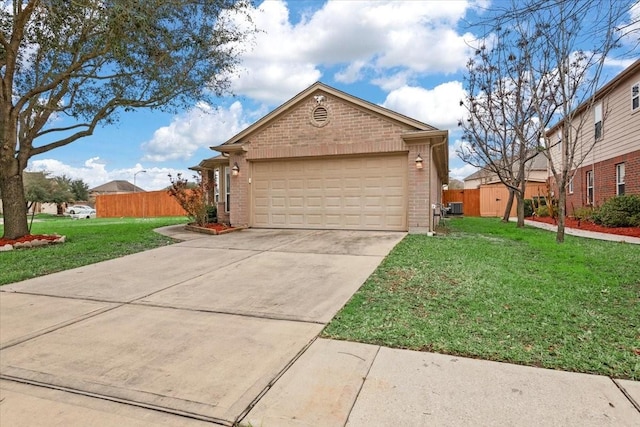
column 200, row 329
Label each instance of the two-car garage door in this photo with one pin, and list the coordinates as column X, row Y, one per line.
column 363, row 193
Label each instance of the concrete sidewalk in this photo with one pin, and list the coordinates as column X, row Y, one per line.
column 218, row 330
column 336, row 382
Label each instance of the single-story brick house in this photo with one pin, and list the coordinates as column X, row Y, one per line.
column 329, row 160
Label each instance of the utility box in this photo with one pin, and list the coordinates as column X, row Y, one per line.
column 455, row 208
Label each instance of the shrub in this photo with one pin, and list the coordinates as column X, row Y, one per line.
column 621, row 211
column 584, row 214
column 212, row 214
column 192, row 198
column 543, row 211
column 528, row 207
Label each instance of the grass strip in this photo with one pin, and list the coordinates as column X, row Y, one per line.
column 489, row 290
column 87, row 241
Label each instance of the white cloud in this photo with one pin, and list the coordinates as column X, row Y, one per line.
column 352, row 73
column 439, row 107
column 94, row 172
column 202, row 126
column 631, row 29
column 462, row 171
column 382, row 37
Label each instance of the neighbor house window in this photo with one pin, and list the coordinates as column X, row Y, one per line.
column 570, row 185
column 598, row 120
column 635, row 97
column 620, row 179
column 227, row 189
column 589, row 187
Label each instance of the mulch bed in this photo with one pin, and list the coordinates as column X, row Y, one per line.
column 590, row 226
column 212, row 228
column 31, row 240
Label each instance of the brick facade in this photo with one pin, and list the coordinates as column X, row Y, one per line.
column 604, row 180
column 339, row 128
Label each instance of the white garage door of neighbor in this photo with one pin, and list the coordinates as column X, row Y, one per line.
column 364, row 193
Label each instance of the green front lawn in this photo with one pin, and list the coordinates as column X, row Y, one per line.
column 488, row 290
column 88, row 241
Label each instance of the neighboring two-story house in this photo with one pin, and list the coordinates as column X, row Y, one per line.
column 609, row 142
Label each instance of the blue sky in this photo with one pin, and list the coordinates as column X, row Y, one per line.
column 406, row 56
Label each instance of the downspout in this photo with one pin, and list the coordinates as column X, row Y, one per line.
column 439, row 197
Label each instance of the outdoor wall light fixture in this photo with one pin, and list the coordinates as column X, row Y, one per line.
column 418, row 162
column 235, row 170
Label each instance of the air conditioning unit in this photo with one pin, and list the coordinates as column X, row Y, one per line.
column 455, row 208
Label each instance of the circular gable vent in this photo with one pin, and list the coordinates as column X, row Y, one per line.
column 320, row 116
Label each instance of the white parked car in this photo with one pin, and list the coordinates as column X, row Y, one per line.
column 71, row 210
column 83, row 213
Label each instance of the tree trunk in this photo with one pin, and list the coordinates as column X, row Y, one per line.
column 14, row 204
column 520, row 209
column 520, row 201
column 507, row 210
column 562, row 196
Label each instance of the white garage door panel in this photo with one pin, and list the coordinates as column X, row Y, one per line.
column 348, row 193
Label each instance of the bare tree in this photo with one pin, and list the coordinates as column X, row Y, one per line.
column 501, row 131
column 89, row 60
column 561, row 47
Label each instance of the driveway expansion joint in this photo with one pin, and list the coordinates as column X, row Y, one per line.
column 227, row 313
column 108, row 398
column 624, row 391
column 273, row 381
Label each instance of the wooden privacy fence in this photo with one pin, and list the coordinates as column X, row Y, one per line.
column 489, row 200
column 137, row 205
column 494, row 197
column 470, row 200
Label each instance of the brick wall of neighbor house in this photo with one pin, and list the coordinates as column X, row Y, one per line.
column 349, row 130
column 604, row 180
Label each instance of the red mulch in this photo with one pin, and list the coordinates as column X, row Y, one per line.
column 28, row 238
column 216, row 226
column 590, row 226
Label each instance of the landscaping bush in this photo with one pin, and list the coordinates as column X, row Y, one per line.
column 543, row 211
column 621, row 211
column 528, row 207
column 584, row 214
column 191, row 197
column 212, row 214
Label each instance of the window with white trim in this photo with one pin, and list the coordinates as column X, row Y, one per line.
column 216, row 188
column 635, row 97
column 570, row 189
column 597, row 113
column 227, row 189
column 620, row 179
column 589, row 187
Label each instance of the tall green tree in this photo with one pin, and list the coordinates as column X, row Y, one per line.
column 40, row 188
column 90, row 60
column 80, row 190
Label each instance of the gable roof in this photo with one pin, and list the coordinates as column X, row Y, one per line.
column 537, row 163
column 116, row 186
column 211, row 163
column 235, row 141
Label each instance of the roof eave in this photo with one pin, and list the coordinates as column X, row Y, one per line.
column 332, row 91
